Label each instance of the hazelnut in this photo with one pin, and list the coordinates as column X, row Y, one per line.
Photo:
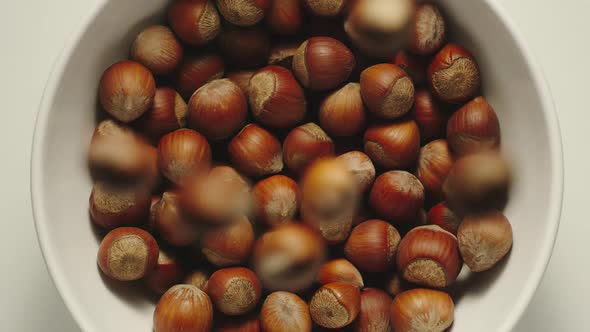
column 126, row 90
column 393, row 145
column 326, row 8
column 429, row 256
column 374, row 314
column 171, row 223
column 276, row 99
column 229, row 244
column 195, row 22
column 127, row 253
column 183, row 308
column 342, row 270
column 473, row 128
column 372, row 246
column 234, row 291
column 335, row 305
column 454, row 74
column 361, row 167
column 387, row 90
column 397, row 196
column 256, row 152
column 165, row 274
column 330, row 199
column 196, row 71
column 427, row 30
column 285, row 312
column 216, row 197
column 166, row 115
column 276, row 200
column 182, row 153
column 422, row 310
column 157, row 48
column 243, row 12
column 434, row 164
column 429, row 116
column 442, row 216
column 484, row 239
column 342, row 113
column 285, row 17
column 304, row 145
column 218, row 109
column 478, row 182
column 288, row 257
column 113, row 206
column 322, row 63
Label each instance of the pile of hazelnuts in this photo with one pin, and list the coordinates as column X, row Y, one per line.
column 289, row 165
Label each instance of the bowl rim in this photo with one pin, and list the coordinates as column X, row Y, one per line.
column 540, row 84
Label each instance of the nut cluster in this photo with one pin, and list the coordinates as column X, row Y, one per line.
column 337, row 179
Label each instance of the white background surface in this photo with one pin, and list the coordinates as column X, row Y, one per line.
column 32, row 33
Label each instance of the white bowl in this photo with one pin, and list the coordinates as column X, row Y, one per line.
column 61, row 184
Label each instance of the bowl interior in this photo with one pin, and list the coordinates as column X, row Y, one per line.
column 61, row 184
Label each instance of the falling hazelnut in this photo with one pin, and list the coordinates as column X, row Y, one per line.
column 183, row 308
column 429, row 256
column 454, row 74
column 422, row 310
column 342, row 270
column 304, row 145
column 484, row 239
column 372, row 246
column 229, row 244
column 256, row 152
column 234, row 291
column 218, row 109
column 478, row 182
column 335, row 305
column 216, row 197
column 330, row 199
column 342, row 113
column 397, row 196
column 393, row 145
column 276, row 99
column 276, row 200
column 195, row 22
column 157, row 48
column 285, row 312
column 288, row 257
column 322, row 63
column 473, row 128
column 126, row 90
column 434, row 164
column 387, row 90
column 127, row 253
